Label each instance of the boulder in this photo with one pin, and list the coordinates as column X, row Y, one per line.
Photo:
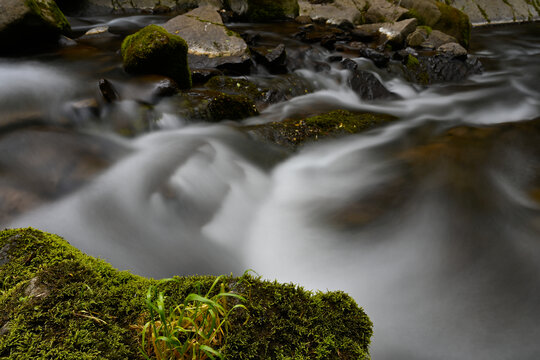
column 94, row 311
column 264, row 10
column 275, row 60
column 336, row 12
column 210, row 43
column 292, row 133
column 417, row 37
column 395, row 34
column 384, row 11
column 29, row 25
column 437, row 38
column 152, row 50
column 440, row 16
column 499, row 11
column 453, row 50
column 365, row 84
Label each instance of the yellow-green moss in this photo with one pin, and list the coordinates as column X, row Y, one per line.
column 58, row 303
column 266, row 10
column 294, row 132
column 230, row 107
column 235, row 86
column 49, row 11
column 152, row 50
column 412, row 62
column 455, row 23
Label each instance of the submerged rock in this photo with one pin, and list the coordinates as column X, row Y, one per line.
column 30, row 25
column 275, row 60
column 152, row 50
column 292, row 133
column 365, row 84
column 95, row 311
column 210, row 43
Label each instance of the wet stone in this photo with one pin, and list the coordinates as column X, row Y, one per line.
column 108, row 92
column 4, row 251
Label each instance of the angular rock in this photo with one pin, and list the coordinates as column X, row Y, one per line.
column 417, row 37
column 395, row 34
column 334, row 13
column 482, row 12
column 365, row 84
column 384, row 11
column 152, row 50
column 275, row 60
column 264, row 10
column 29, row 25
column 210, row 43
column 426, row 11
column 453, row 50
column 437, row 38
column 108, row 92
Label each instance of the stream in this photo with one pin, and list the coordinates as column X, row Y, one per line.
column 431, row 223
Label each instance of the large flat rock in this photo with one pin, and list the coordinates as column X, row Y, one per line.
column 482, row 12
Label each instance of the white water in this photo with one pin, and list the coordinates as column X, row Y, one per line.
column 444, row 271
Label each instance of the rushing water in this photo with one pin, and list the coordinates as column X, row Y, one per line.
column 434, row 232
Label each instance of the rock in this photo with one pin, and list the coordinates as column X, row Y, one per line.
column 384, row 11
column 293, row 133
column 210, row 43
column 95, row 309
column 482, row 12
column 453, row 50
column 36, row 289
column 5, row 329
column 275, row 60
column 236, row 86
column 108, row 92
column 417, row 37
column 152, row 50
column 395, row 34
column 440, row 16
column 437, row 38
column 365, row 84
column 200, row 76
column 427, row 70
column 303, row 19
column 97, row 34
column 380, row 59
column 30, row 25
column 264, row 10
column 335, row 13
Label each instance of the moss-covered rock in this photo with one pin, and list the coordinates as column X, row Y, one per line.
column 58, row 303
column 28, row 24
column 440, row 16
column 230, row 107
column 294, row 132
column 236, row 86
column 152, row 50
column 264, row 10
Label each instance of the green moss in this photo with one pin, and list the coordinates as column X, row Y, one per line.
column 428, row 29
column 152, row 50
column 49, row 11
column 230, row 107
column 265, row 10
column 412, row 62
column 454, row 22
column 294, row 132
column 58, row 303
column 484, row 13
column 235, row 86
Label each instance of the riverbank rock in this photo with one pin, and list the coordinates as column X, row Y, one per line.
column 482, row 12
column 292, row 133
column 210, row 43
column 152, row 50
column 440, row 16
column 30, row 25
column 93, row 311
column 264, row 10
column 337, row 12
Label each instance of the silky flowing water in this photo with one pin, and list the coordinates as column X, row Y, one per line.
column 431, row 223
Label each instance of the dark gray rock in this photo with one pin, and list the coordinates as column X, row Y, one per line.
column 365, row 84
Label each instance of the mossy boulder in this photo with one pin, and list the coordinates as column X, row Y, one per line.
column 152, row 50
column 26, row 25
column 440, row 16
column 58, row 303
column 292, row 133
column 264, row 10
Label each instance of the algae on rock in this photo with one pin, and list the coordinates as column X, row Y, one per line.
column 152, row 50
column 58, row 303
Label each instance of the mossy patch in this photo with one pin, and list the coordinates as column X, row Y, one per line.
column 295, row 132
column 236, row 86
column 455, row 23
column 58, row 303
column 152, row 50
column 230, row 107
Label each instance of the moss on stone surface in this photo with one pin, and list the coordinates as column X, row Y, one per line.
column 58, row 303
column 49, row 11
column 152, row 50
column 454, row 22
column 293, row 132
column 265, row 10
column 235, row 86
column 230, row 107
